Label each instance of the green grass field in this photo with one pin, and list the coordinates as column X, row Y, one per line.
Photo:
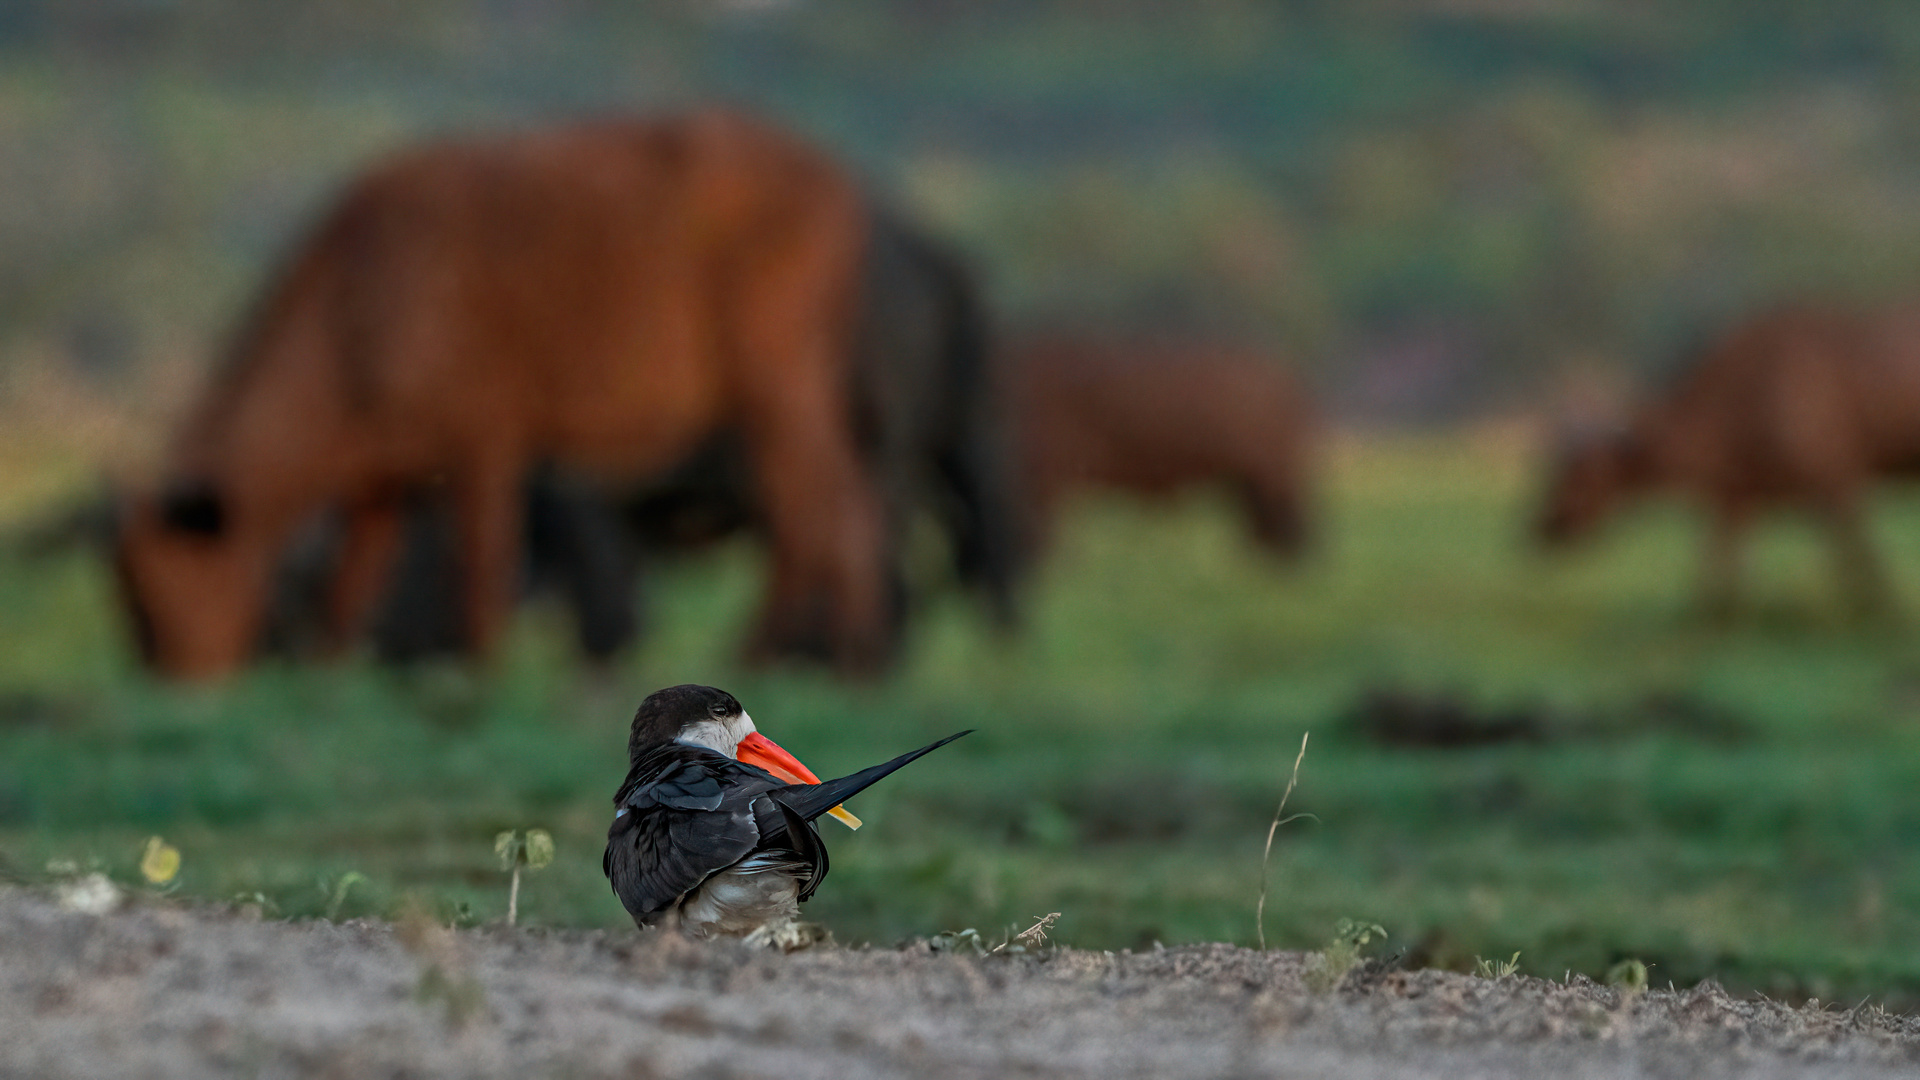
column 1133, row 741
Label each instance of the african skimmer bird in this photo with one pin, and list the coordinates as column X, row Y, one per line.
column 713, row 828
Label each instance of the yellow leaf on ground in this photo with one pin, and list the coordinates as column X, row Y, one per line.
column 161, row 862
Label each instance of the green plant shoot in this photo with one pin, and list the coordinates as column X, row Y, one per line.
column 532, row 849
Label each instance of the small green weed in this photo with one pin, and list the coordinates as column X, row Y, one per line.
column 532, row 849
column 1630, row 976
column 335, row 890
column 1496, row 969
column 255, row 904
column 1332, row 963
column 958, row 941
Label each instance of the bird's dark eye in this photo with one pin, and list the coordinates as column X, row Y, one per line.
column 719, row 711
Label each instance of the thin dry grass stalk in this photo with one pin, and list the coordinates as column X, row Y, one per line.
column 1260, row 908
column 1033, row 936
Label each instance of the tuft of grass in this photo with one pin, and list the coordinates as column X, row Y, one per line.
column 336, row 889
column 1496, row 969
column 1630, row 976
column 956, row 941
column 1340, row 955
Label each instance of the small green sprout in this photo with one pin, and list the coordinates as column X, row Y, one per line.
column 1331, row 964
column 1630, row 977
column 1496, row 969
column 953, row 941
column 336, row 891
column 255, row 904
column 532, row 849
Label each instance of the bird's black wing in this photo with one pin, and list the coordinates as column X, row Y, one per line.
column 786, row 813
column 812, row 800
column 683, row 815
column 801, row 838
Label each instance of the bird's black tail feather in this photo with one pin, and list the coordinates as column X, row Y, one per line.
column 812, row 800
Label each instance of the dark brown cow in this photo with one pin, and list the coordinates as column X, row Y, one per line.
column 928, row 426
column 1156, row 417
column 1801, row 407
column 607, row 296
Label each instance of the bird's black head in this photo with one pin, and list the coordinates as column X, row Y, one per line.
column 692, row 713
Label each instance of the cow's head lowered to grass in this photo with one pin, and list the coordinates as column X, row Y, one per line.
column 193, row 580
column 1594, row 474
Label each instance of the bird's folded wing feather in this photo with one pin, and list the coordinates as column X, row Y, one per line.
column 778, row 822
column 679, row 821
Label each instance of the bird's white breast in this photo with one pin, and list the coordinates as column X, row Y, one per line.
column 759, row 889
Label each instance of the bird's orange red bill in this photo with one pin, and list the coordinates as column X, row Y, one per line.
column 761, row 752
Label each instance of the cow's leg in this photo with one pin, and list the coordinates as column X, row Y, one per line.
column 1040, row 501
column 789, row 322
column 1727, row 521
column 1862, row 580
column 1052, row 464
column 1274, row 511
column 827, row 591
column 488, row 508
column 372, row 535
column 576, row 539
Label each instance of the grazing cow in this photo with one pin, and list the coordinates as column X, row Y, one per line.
column 1800, row 407
column 915, row 405
column 608, row 296
column 1154, row 417
column 926, row 416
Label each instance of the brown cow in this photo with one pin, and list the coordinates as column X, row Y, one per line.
column 1154, row 417
column 929, row 429
column 607, row 296
column 1801, row 407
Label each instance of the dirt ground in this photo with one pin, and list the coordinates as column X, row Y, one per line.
column 161, row 990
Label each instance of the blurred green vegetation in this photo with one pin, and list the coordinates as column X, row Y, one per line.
column 1132, row 743
column 1439, row 206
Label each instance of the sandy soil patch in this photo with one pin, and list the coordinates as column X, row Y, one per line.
column 176, row 991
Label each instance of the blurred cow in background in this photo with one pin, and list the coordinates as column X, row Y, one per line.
column 617, row 298
column 926, row 417
column 1801, row 407
column 1155, row 417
